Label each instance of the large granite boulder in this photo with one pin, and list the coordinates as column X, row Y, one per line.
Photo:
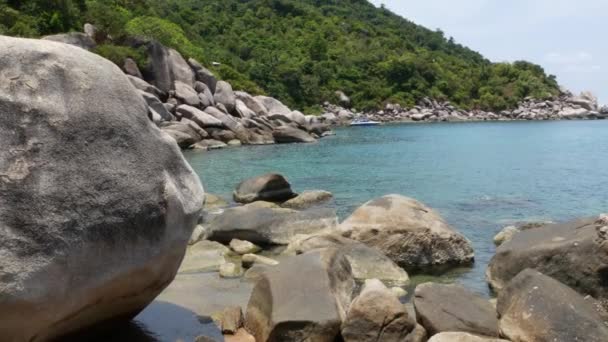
column 202, row 74
column 243, row 111
column 225, row 95
column 179, row 68
column 305, row 298
column 154, row 103
column 201, row 118
column 444, row 308
column 268, row 226
column 575, row 253
column 271, row 187
column 410, row 233
column 536, row 308
column 146, row 87
column 366, row 262
column 273, row 106
column 463, row 337
column 230, row 122
column 288, row 135
column 97, row 203
column 158, row 71
column 377, row 315
column 73, row 38
column 185, row 94
column 252, row 103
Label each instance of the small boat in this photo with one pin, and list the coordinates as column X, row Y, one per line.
column 364, row 122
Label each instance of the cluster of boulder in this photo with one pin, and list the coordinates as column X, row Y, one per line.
column 190, row 104
column 563, row 107
column 319, row 279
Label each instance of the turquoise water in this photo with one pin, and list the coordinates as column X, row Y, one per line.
column 479, row 176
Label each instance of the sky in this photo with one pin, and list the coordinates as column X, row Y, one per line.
column 566, row 37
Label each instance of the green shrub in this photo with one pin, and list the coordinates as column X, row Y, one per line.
column 118, row 54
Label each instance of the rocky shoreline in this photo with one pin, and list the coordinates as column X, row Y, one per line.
column 100, row 214
column 315, row 277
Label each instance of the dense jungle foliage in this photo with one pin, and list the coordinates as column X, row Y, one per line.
column 300, row 51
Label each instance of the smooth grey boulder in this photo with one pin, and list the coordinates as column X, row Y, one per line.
column 131, row 68
column 186, row 95
column 222, row 134
column 203, row 75
column 444, row 308
column 204, row 94
column 273, row 106
column 230, row 122
column 201, row 118
column 97, row 203
column 271, row 187
column 463, row 337
column 287, row 134
column 183, row 140
column 305, row 298
column 146, row 87
column 366, row 262
column 187, row 127
column 267, row 226
column 158, row 72
column 243, row 111
column 225, row 95
column 413, row 235
column 204, row 256
column 73, row 38
column 154, row 103
column 377, row 315
column 252, row 103
column 536, row 308
column 308, row 199
column 575, row 253
column 179, row 68
column 297, row 117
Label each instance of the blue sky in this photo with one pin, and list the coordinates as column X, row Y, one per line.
column 568, row 38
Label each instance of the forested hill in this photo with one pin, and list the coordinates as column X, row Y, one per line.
column 300, row 51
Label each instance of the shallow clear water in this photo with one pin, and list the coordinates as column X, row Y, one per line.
column 479, row 176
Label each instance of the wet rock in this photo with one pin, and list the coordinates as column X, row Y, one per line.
column 265, row 226
column 534, row 307
column 505, row 235
column 62, row 273
column 270, row 187
column 376, row 315
column 78, row 39
column 463, row 337
column 288, row 135
column 304, row 298
column 413, row 235
column 308, row 199
column 244, row 247
column 443, row 308
column 574, row 253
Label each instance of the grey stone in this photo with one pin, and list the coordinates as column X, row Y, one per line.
column 225, row 95
column 78, row 39
column 270, row 187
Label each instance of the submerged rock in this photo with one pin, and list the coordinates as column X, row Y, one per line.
column 444, row 308
column 270, row 187
column 303, row 299
column 377, row 315
column 575, row 253
column 537, row 308
column 410, row 233
column 97, row 203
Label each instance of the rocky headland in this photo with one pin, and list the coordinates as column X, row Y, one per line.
column 100, row 214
